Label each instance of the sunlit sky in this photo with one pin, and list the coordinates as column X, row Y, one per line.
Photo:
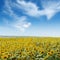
column 30, row 18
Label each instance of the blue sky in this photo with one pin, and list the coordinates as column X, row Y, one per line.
column 30, row 18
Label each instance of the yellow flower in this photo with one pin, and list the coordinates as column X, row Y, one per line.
column 4, row 56
column 50, row 52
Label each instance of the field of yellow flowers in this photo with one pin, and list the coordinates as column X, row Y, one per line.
column 29, row 48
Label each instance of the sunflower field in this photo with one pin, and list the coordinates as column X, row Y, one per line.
column 29, row 48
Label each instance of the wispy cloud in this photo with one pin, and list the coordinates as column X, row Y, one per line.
column 50, row 8
column 20, row 22
column 31, row 9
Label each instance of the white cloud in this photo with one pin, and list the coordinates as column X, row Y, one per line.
column 31, row 9
column 49, row 13
column 8, row 10
column 20, row 22
column 51, row 7
column 27, row 25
